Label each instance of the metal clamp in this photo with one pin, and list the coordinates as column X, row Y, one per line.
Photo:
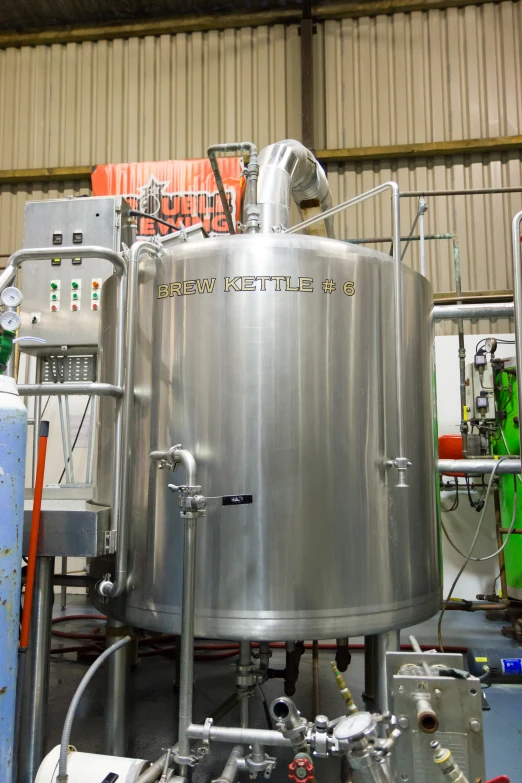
column 401, row 464
column 190, row 500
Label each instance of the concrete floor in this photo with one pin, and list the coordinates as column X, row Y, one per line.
column 153, row 714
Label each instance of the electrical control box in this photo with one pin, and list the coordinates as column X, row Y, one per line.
column 480, row 397
column 63, row 297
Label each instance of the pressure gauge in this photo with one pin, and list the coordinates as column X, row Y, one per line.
column 11, row 296
column 491, row 345
column 10, row 320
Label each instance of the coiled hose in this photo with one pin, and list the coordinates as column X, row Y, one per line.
column 67, row 726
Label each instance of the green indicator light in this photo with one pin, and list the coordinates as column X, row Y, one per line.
column 75, row 285
column 54, row 286
column 75, row 296
column 54, row 296
column 95, row 296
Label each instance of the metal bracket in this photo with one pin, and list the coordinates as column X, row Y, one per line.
column 111, row 539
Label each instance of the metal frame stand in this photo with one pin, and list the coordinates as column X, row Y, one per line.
column 375, row 685
column 36, row 685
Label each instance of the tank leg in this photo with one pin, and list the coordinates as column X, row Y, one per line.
column 244, row 681
column 36, row 684
column 116, row 709
column 375, row 682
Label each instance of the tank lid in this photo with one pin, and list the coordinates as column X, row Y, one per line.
column 8, row 385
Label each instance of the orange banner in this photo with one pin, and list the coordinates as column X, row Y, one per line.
column 183, row 192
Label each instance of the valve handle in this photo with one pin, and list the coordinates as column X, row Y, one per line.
column 301, row 770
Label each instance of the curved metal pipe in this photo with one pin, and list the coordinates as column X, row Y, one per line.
column 288, row 168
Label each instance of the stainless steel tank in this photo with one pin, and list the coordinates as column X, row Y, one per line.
column 272, row 359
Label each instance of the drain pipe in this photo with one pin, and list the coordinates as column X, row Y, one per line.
column 287, row 169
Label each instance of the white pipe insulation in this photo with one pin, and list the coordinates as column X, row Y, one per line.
column 90, row 767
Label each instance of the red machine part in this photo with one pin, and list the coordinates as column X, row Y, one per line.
column 450, row 447
column 500, row 779
column 301, row 770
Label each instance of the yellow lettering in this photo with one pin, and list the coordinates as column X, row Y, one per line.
column 231, row 284
column 248, row 284
column 289, row 287
column 279, row 279
column 306, row 283
column 175, row 288
column 189, row 287
column 263, row 279
column 349, row 288
column 163, row 291
column 205, row 286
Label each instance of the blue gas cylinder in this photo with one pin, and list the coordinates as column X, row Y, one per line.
column 13, row 437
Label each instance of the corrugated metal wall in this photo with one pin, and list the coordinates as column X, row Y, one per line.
column 425, row 76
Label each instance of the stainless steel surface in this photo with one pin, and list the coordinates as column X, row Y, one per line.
column 376, row 648
column 232, row 734
column 101, row 221
column 117, row 702
column 457, row 703
column 400, row 461
column 36, row 685
column 69, row 528
column 517, row 295
column 463, row 192
column 472, row 467
column 245, row 660
column 59, row 368
column 290, row 396
column 453, row 312
column 59, row 389
column 287, row 169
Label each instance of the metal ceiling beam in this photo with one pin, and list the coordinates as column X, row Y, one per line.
column 441, row 148
column 57, row 174
column 190, row 24
column 427, row 149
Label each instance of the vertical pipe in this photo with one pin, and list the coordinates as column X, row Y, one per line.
column 187, row 637
column 462, row 352
column 13, row 438
column 375, row 680
column 517, row 294
column 501, row 557
column 116, row 705
column 422, row 209
column 307, row 76
column 37, row 419
column 88, row 468
column 315, row 679
column 69, row 438
column 399, row 346
column 36, row 687
column 244, row 664
column 65, row 447
column 63, row 592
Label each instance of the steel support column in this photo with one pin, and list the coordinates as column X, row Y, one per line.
column 36, row 684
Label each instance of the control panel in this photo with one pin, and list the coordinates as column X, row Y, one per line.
column 63, row 296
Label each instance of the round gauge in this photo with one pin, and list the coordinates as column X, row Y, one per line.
column 11, row 296
column 490, row 345
column 354, row 726
column 10, row 321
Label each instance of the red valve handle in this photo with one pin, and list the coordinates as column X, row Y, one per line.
column 500, row 779
column 301, row 770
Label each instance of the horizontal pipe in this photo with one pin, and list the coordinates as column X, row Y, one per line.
column 237, row 735
column 70, row 580
column 476, row 606
column 464, row 192
column 505, row 530
column 479, row 466
column 453, row 312
column 63, row 389
column 379, row 240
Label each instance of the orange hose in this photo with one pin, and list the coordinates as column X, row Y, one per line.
column 33, row 540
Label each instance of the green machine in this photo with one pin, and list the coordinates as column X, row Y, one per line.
column 508, row 442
